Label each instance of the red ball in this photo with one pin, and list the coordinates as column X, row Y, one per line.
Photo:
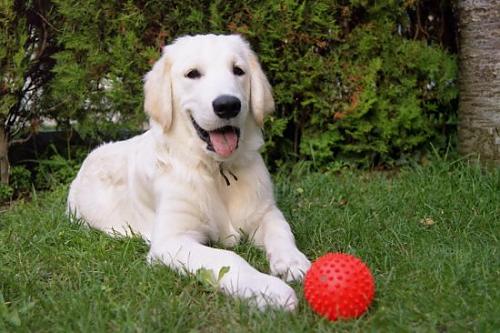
column 339, row 286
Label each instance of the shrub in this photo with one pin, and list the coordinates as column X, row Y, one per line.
column 20, row 180
column 6, row 192
column 393, row 97
column 55, row 171
column 361, row 82
column 20, row 184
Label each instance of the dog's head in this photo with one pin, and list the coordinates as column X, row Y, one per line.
column 215, row 84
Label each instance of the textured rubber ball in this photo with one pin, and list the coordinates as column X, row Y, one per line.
column 339, row 286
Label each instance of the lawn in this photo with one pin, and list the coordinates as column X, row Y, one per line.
column 429, row 234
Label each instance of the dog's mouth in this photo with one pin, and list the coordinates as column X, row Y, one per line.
column 223, row 141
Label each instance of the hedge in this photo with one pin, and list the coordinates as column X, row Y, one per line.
column 360, row 82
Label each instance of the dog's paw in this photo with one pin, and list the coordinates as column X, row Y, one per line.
column 263, row 291
column 291, row 265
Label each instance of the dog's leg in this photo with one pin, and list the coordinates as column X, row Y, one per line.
column 186, row 255
column 275, row 235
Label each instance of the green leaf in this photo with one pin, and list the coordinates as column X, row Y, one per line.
column 223, row 272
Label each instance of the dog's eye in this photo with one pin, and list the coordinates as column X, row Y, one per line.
column 238, row 71
column 193, row 74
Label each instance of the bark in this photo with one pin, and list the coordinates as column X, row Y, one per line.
column 479, row 104
column 4, row 156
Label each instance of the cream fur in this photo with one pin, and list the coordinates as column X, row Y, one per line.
column 166, row 186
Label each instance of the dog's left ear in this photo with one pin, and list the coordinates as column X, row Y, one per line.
column 261, row 96
column 158, row 102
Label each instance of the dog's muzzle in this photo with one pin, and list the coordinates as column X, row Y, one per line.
column 223, row 141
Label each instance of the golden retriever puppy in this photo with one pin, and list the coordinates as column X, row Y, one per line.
column 196, row 174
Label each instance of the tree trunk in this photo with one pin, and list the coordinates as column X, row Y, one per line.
column 4, row 156
column 479, row 108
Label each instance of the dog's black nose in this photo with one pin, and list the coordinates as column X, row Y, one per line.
column 226, row 106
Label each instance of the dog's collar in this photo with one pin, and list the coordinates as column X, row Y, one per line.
column 221, row 171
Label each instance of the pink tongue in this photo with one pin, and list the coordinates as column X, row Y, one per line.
column 224, row 142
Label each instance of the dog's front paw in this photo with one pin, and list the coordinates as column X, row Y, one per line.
column 262, row 290
column 290, row 265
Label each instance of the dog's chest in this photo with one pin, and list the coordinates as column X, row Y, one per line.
column 241, row 201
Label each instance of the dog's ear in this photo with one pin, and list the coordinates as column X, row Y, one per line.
column 261, row 96
column 158, row 102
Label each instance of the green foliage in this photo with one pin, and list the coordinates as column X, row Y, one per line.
column 399, row 97
column 98, row 73
column 6, row 192
column 20, row 179
column 55, row 171
column 353, row 81
column 13, row 36
column 207, row 279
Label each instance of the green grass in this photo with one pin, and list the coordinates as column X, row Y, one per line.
column 436, row 275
